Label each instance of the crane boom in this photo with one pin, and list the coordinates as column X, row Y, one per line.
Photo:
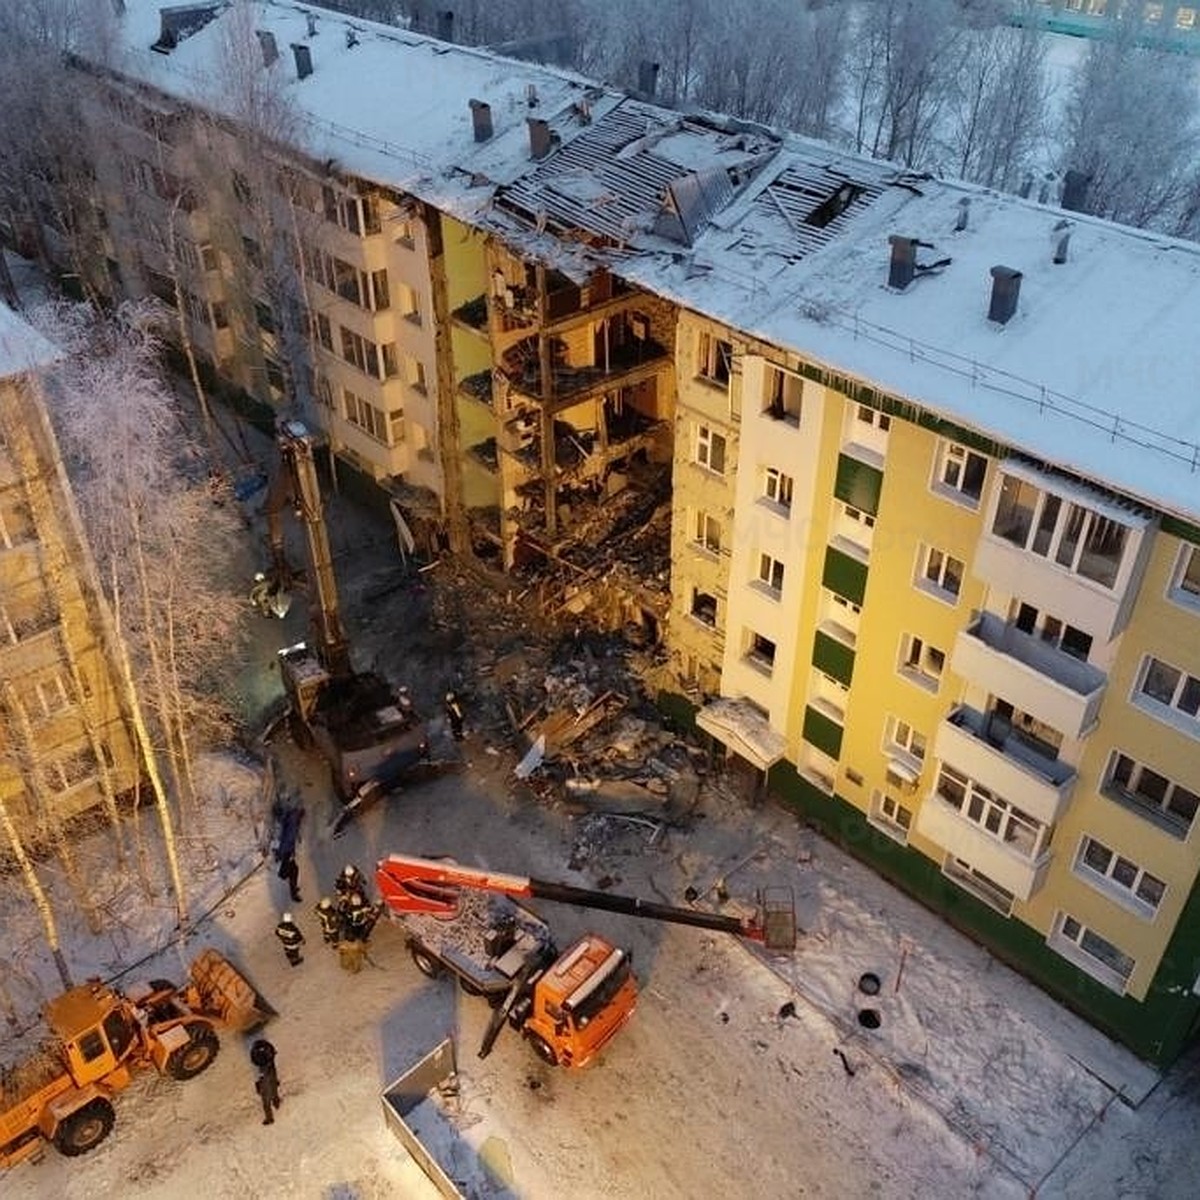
column 410, row 884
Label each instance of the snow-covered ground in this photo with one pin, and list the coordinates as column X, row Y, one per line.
column 974, row 1082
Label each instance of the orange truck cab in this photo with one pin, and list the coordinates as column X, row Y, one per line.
column 579, row 1002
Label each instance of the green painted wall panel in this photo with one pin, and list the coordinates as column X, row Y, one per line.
column 823, row 733
column 858, row 484
column 844, row 575
column 833, row 658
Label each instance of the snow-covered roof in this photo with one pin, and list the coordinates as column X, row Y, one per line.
column 22, row 348
column 1096, row 372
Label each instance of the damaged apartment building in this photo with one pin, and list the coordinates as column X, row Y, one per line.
column 922, row 558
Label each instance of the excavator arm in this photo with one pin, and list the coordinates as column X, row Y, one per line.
column 432, row 885
column 296, row 486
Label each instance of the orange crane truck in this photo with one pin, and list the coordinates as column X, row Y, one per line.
column 569, row 1005
column 99, row 1036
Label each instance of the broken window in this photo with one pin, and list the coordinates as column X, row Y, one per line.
column 784, row 392
column 704, row 607
column 708, row 532
column 714, row 359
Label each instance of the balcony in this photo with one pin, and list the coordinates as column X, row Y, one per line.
column 625, row 365
column 1012, row 870
column 972, row 742
column 1031, row 674
column 473, row 314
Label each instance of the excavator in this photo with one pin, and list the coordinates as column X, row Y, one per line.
column 365, row 731
column 469, row 923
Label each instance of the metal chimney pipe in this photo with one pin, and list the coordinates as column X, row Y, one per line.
column 1006, row 287
column 904, row 261
column 964, row 212
column 266, row 42
column 303, row 56
column 648, row 78
column 481, row 119
column 1059, row 237
column 445, row 25
column 539, row 137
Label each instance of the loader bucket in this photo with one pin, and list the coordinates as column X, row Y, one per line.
column 226, row 994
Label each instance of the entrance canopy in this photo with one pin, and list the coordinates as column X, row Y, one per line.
column 740, row 727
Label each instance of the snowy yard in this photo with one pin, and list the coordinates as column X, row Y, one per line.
column 974, row 1082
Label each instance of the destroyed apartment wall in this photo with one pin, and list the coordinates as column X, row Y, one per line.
column 64, row 743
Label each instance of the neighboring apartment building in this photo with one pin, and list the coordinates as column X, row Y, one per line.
column 65, row 745
column 932, row 570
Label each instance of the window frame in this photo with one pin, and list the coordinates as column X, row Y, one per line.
column 1170, row 711
column 775, row 484
column 770, row 574
column 703, row 525
column 1160, row 813
column 897, row 824
column 706, row 438
column 1072, row 946
column 902, row 737
column 714, row 359
column 950, row 451
column 1179, row 589
column 914, row 650
column 931, row 578
column 1104, row 878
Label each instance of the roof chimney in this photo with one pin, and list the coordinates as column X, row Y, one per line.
column 311, row 18
column 1026, row 186
column 1059, row 237
column 266, row 41
column 964, row 212
column 540, row 138
column 1075, row 189
column 445, row 25
column 1006, row 287
column 904, row 261
column 351, row 38
column 303, row 57
column 647, row 78
column 481, row 119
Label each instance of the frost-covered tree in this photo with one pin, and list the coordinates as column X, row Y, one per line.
column 160, row 546
column 1130, row 127
column 997, row 110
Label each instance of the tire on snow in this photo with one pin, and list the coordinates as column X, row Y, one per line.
column 188, row 1061
column 85, row 1128
column 543, row 1049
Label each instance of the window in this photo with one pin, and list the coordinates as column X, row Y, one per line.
column 1090, row 952
column 921, row 662
column 870, row 416
column 940, row 572
column 324, row 331
column 264, row 317
column 242, row 189
column 960, row 473
column 704, row 607
column 710, row 449
column 342, row 209
column 388, row 360
column 1117, row 875
column 324, row 391
column 1150, row 794
column 778, row 487
column 414, row 373
column 994, row 815
column 1076, row 538
column 889, row 815
column 380, row 296
column 1050, row 629
column 396, row 425
column 761, row 651
column 72, row 769
column 360, row 353
column 253, row 252
column 410, row 308
column 903, row 737
column 1185, row 585
column 1169, row 687
column 982, row 886
column 858, row 516
column 784, row 391
column 713, row 359
column 349, row 282
column 365, row 416
column 707, row 532
column 46, row 697
column 770, row 572
column 404, row 233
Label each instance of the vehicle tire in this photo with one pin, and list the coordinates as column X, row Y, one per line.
column 85, row 1128
column 468, row 988
column 426, row 963
column 543, row 1049
column 188, row 1061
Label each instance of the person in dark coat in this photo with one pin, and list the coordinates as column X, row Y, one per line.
column 288, row 932
column 331, row 921
column 262, row 1055
column 288, row 816
column 454, row 714
column 358, row 919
